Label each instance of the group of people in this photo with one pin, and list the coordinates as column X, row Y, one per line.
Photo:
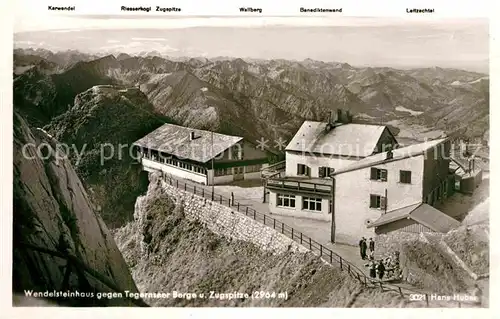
column 363, row 248
column 388, row 265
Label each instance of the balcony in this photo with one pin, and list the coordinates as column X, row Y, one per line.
column 303, row 185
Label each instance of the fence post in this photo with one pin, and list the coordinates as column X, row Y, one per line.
column 220, row 198
column 203, row 192
column 427, row 300
column 264, row 219
column 341, row 263
column 177, row 182
column 282, row 228
column 310, row 244
column 254, row 214
column 185, row 186
column 331, row 257
column 232, row 200
column 213, row 195
column 246, row 211
column 238, row 206
column 274, row 223
column 320, row 250
column 301, row 238
column 400, row 292
column 194, row 189
column 292, row 233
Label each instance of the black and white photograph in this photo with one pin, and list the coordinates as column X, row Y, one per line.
column 251, row 162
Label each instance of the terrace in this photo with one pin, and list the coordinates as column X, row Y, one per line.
column 304, row 185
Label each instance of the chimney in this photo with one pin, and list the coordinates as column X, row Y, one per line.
column 389, row 153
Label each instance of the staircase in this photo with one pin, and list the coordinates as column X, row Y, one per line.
column 273, row 170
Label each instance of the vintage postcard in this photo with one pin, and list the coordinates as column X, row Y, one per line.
column 167, row 159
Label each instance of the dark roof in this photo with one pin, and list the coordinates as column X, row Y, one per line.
column 423, row 214
column 397, row 154
column 175, row 140
column 350, row 139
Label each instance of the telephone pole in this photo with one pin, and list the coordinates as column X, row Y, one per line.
column 332, row 171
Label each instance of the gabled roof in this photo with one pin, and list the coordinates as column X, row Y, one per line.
column 421, row 213
column 350, row 139
column 397, row 154
column 175, row 140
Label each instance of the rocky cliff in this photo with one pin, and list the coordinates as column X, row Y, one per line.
column 60, row 244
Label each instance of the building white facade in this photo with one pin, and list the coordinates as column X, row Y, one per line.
column 361, row 200
column 365, row 186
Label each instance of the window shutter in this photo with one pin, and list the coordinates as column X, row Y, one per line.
column 383, row 202
column 298, row 169
column 308, row 171
column 322, row 172
column 373, row 173
column 383, row 175
column 373, row 200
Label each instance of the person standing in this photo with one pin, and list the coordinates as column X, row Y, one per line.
column 381, row 269
column 372, row 245
column 363, row 248
column 373, row 269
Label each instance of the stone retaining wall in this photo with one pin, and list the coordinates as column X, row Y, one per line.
column 231, row 224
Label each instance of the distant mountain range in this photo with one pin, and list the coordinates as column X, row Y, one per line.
column 257, row 98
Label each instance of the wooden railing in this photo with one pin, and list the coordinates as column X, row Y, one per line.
column 297, row 185
column 272, row 170
column 323, row 252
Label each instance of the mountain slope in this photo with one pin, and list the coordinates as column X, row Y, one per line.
column 179, row 253
column 99, row 131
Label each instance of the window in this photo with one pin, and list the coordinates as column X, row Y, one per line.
column 405, row 177
column 325, row 172
column 222, row 171
column 309, row 203
column 200, row 170
column 377, row 174
column 237, row 152
column 284, row 200
column 253, row 168
column 303, row 170
column 377, row 201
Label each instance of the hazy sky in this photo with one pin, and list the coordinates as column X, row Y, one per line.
column 384, row 41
